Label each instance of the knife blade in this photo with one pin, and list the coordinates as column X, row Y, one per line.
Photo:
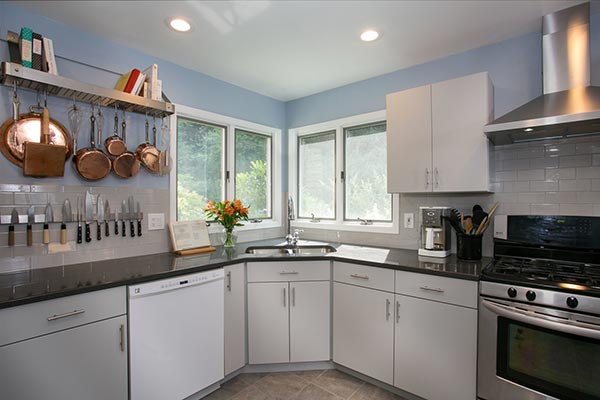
column 14, row 219
column 30, row 221
column 116, row 222
column 124, row 212
column 66, row 217
column 138, row 215
column 131, row 217
column 48, row 218
column 106, row 218
column 79, row 217
column 89, row 215
column 99, row 216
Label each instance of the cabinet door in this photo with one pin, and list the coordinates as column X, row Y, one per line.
column 87, row 362
column 310, row 321
column 409, row 140
column 363, row 331
column 435, row 341
column 460, row 109
column 235, row 318
column 268, row 323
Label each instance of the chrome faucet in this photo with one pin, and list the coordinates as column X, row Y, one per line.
column 291, row 239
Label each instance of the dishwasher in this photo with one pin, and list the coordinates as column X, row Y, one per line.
column 176, row 336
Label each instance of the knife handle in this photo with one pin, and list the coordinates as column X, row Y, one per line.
column 106, row 229
column 98, row 231
column 46, row 236
column 139, row 226
column 63, row 233
column 132, row 228
column 116, row 227
column 123, row 230
column 88, row 234
column 11, row 235
column 29, row 235
column 79, row 233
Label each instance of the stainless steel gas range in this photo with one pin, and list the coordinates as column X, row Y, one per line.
column 539, row 310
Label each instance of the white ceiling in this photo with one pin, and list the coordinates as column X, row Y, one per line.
column 291, row 49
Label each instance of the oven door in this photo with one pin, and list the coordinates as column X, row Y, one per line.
column 534, row 353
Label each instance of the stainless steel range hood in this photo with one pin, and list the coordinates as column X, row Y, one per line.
column 569, row 106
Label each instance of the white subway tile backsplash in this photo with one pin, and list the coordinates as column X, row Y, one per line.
column 511, row 165
column 587, row 148
column 574, row 185
column 576, row 209
column 531, row 197
column 596, row 184
column 7, row 198
column 543, row 186
column 547, row 162
column 545, row 209
column 514, row 209
column 531, row 175
column 584, row 160
column 596, row 160
column 511, row 187
column 506, row 176
column 597, row 210
column 588, row 197
column 31, row 198
column 589, row 173
column 560, row 149
column 531, row 152
column 554, row 174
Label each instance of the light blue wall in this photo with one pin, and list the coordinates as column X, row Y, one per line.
column 95, row 60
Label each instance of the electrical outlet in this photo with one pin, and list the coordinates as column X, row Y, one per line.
column 156, row 222
column 409, row 220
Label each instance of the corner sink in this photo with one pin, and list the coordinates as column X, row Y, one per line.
column 306, row 250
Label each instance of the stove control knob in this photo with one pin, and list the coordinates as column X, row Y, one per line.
column 572, row 302
column 512, row 292
column 530, row 295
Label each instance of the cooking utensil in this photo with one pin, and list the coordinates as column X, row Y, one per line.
column 147, row 153
column 48, row 218
column 75, row 116
column 454, row 219
column 468, row 224
column 42, row 158
column 138, row 216
column 30, row 222
column 15, row 103
column 79, row 217
column 99, row 216
column 486, row 221
column 117, row 222
column 106, row 218
column 113, row 144
column 66, row 217
column 478, row 215
column 126, row 165
column 130, row 208
column 165, row 157
column 124, row 212
column 89, row 215
column 91, row 163
column 14, row 219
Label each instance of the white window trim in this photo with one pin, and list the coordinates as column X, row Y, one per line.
column 231, row 124
column 338, row 126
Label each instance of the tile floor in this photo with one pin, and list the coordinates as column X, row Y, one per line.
column 304, row 385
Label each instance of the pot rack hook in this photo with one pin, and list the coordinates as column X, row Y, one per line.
column 15, row 95
column 46, row 97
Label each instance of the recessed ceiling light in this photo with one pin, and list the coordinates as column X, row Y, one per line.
column 179, row 24
column 528, row 129
column 369, row 36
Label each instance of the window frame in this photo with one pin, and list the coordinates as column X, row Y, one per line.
column 230, row 124
column 339, row 126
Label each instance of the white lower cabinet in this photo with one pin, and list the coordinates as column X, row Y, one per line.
column 435, row 349
column 235, row 317
column 363, row 330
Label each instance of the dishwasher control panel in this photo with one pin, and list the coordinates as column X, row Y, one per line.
column 175, row 282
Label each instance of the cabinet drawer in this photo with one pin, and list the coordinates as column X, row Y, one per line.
column 448, row 290
column 362, row 275
column 282, row 271
column 36, row 319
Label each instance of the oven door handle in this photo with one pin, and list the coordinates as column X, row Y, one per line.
column 568, row 326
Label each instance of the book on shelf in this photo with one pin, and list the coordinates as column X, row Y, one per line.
column 25, row 44
column 48, row 58
column 12, row 38
column 122, row 82
column 153, row 91
column 135, row 73
column 36, row 51
column 137, row 87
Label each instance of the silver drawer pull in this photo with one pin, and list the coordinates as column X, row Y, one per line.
column 122, row 337
column 357, row 276
column 387, row 309
column 288, row 273
column 428, row 289
column 65, row 315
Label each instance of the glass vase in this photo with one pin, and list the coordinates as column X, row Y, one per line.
column 229, row 237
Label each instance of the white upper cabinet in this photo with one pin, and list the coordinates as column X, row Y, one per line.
column 435, row 139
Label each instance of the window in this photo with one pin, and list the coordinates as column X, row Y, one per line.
column 217, row 158
column 338, row 175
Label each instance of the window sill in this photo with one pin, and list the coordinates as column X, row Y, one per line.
column 266, row 224
column 376, row 227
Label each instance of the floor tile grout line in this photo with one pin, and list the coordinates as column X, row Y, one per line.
column 357, row 389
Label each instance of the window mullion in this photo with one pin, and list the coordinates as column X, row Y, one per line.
column 339, row 166
column 230, row 162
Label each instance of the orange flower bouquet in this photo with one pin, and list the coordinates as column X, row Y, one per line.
column 229, row 214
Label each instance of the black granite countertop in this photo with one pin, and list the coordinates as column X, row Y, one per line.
column 33, row 285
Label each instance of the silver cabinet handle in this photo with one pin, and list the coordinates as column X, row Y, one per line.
column 122, row 337
column 437, row 177
column 428, row 289
column 284, row 296
column 387, row 309
column 293, row 297
column 357, row 276
column 397, row 311
column 65, row 315
column 229, row 281
column 288, row 273
column 426, row 178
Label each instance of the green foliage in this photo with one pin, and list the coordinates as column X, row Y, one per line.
column 252, row 187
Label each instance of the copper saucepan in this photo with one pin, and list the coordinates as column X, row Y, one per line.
column 113, row 144
column 91, row 163
column 148, row 154
column 126, row 165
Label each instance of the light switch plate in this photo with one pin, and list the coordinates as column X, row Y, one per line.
column 156, row 222
column 409, row 220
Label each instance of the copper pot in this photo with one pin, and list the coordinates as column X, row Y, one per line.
column 148, row 154
column 91, row 163
column 127, row 164
column 113, row 144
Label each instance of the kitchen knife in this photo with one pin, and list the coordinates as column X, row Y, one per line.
column 131, row 217
column 99, row 216
column 124, row 212
column 79, row 216
column 89, row 215
column 14, row 219
column 66, row 217
column 48, row 218
column 106, row 218
column 30, row 221
column 138, row 216
column 116, row 222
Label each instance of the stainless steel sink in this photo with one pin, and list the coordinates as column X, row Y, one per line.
column 302, row 250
